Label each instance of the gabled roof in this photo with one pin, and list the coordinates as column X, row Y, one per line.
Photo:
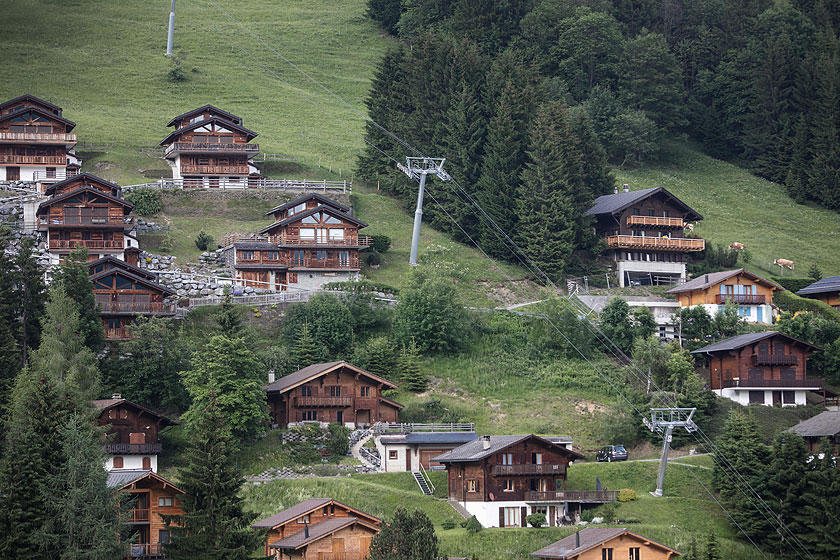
column 316, row 370
column 614, row 203
column 121, row 201
column 707, row 280
column 305, row 213
column 436, row 438
column 117, row 263
column 89, row 176
column 824, row 285
column 136, row 278
column 312, row 196
column 30, row 97
column 68, row 123
column 318, row 531
column 106, row 404
column 120, row 478
column 475, row 451
column 742, row 340
column 824, row 424
column 250, row 134
column 304, row 507
column 224, row 114
column 589, row 537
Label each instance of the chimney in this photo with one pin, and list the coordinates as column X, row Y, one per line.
column 707, row 279
column 116, row 396
column 271, row 376
column 485, row 442
column 577, row 539
column 615, row 190
column 626, row 187
column 306, row 530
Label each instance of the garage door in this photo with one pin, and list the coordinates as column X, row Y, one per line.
column 426, row 456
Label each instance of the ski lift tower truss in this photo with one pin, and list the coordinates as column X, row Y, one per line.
column 419, row 168
column 663, row 421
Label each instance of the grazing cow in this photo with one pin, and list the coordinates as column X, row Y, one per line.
column 783, row 263
column 736, row 246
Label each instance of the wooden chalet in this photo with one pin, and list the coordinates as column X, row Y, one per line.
column 36, row 141
column 760, row 368
column 152, row 496
column 644, row 232
column 210, row 148
column 503, row 479
column 333, row 392
column 606, row 543
column 124, row 291
column 823, row 426
column 826, row 290
column 752, row 293
column 133, row 430
column 319, row 528
column 86, row 211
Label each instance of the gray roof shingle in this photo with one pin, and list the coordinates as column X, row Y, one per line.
column 291, row 513
column 317, row 531
column 322, row 199
column 475, row 451
column 589, row 537
column 705, row 280
column 610, row 203
column 825, row 424
column 431, row 438
column 314, row 370
column 121, row 477
column 742, row 340
column 827, row 284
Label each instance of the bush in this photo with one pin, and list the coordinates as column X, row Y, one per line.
column 536, row 520
column 448, row 524
column 166, row 243
column 791, row 283
column 146, row 201
column 203, row 241
column 472, row 525
column 788, row 301
column 626, row 495
column 373, row 258
column 431, row 312
column 587, row 515
column 608, row 512
column 380, row 243
column 176, row 75
column 338, row 444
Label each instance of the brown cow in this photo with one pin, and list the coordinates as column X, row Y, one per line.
column 783, row 263
column 736, row 246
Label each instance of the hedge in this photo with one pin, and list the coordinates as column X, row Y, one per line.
column 788, row 301
column 791, row 283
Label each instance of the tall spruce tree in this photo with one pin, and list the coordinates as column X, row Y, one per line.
column 406, row 537
column 229, row 319
column 816, row 522
column 304, row 352
column 409, row 367
column 786, row 483
column 9, row 353
column 73, row 275
column 29, row 296
column 214, row 525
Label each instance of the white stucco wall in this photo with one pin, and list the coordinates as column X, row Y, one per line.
column 742, row 396
column 649, row 266
column 752, row 317
column 487, row 513
column 393, row 465
column 312, row 280
column 130, row 462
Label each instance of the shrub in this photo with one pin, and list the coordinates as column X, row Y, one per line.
column 373, row 258
column 146, row 201
column 536, row 519
column 608, row 512
column 325, row 470
column 626, row 495
column 203, row 241
column 338, row 444
column 380, row 243
column 787, row 301
column 791, row 283
column 175, row 74
column 472, row 525
column 166, row 243
column 448, row 524
column 430, row 311
column 587, row 515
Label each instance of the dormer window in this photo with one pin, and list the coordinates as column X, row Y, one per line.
column 297, row 209
column 303, row 519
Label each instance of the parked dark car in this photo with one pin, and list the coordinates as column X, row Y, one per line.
column 612, row 453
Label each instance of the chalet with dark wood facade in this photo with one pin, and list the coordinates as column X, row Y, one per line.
column 133, row 441
column 210, row 148
column 644, row 233
column 36, row 141
column 86, row 211
column 826, row 290
column 319, row 528
column 752, row 293
column 760, row 368
column 606, row 543
column 313, row 240
column 333, row 392
column 124, row 291
column 152, row 496
column 823, row 426
column 503, row 479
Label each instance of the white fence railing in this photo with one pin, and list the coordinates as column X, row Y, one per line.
column 57, row 175
column 223, row 183
column 404, row 428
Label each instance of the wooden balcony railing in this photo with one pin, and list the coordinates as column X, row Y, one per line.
column 772, row 383
column 528, row 469
column 775, row 360
column 310, row 262
column 89, row 243
column 215, row 148
column 138, row 516
column 58, row 175
column 658, row 221
column 323, row 401
column 29, row 160
column 89, row 220
column 214, row 169
column 62, row 138
column 656, row 243
column 117, row 334
column 133, row 448
column 350, row 241
column 341, row 556
column 586, row 496
column 743, row 299
column 140, row 550
column 283, row 260
column 106, row 305
column 366, row 403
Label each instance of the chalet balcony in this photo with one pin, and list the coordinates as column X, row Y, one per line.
column 528, row 469
column 772, row 383
column 366, row 403
column 33, row 160
column 350, row 263
column 203, row 147
column 133, row 448
column 37, row 138
column 127, row 305
column 323, row 402
column 583, row 496
column 117, row 334
column 106, row 244
column 360, row 241
column 775, row 360
column 138, row 516
column 139, row 551
column 657, row 221
column 59, row 174
column 655, row 243
column 282, row 261
column 341, row 556
column 741, row 299
column 214, row 170
column 85, row 220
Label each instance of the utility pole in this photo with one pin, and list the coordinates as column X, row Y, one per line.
column 170, row 35
column 418, row 168
column 663, row 421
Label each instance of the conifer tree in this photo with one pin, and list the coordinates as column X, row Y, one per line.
column 406, row 537
column 214, row 525
column 712, row 548
column 9, row 352
column 229, row 319
column 409, row 366
column 29, row 296
column 73, row 274
column 379, row 357
column 304, row 352
column 786, row 482
column 816, row 523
